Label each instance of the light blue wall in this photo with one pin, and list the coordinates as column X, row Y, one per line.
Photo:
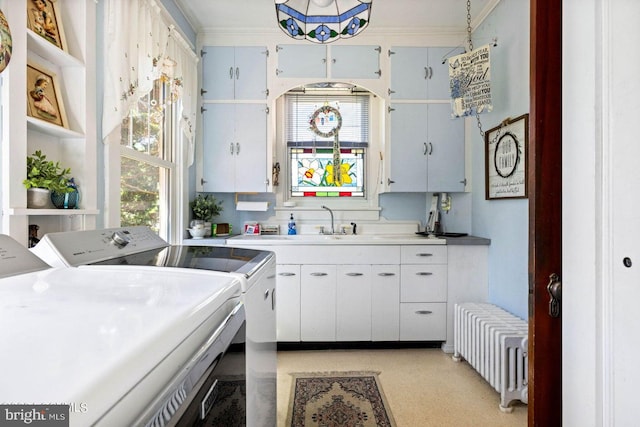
column 182, row 22
column 505, row 222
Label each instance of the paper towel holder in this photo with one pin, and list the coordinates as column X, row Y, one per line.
column 242, row 205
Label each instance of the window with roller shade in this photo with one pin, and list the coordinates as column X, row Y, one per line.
column 311, row 156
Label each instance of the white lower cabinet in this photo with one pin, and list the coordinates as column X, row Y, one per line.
column 353, row 303
column 318, row 293
column 288, row 302
column 423, row 293
column 385, row 302
column 374, row 293
column 421, row 321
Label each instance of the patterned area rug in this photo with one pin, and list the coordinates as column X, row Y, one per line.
column 338, row 399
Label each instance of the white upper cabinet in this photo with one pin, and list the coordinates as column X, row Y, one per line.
column 420, row 72
column 230, row 73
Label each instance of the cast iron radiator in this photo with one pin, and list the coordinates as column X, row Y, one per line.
column 494, row 342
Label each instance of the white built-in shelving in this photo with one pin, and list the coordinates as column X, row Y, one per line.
column 74, row 145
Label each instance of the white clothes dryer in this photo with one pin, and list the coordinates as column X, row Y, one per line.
column 118, row 347
column 140, row 247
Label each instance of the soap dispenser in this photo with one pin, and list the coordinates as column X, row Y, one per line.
column 292, row 225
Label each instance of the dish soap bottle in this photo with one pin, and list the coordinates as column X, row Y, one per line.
column 292, row 225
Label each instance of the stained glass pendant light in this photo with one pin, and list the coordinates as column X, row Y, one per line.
column 323, row 21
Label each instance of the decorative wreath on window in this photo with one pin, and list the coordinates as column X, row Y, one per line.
column 326, row 110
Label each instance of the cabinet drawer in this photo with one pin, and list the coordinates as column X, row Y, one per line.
column 423, row 321
column 423, row 283
column 423, row 254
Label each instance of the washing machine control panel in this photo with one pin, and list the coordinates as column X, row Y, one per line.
column 76, row 248
column 120, row 239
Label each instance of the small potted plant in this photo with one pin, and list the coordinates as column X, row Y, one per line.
column 45, row 177
column 204, row 208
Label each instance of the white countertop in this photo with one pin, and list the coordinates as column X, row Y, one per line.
column 336, row 239
column 88, row 337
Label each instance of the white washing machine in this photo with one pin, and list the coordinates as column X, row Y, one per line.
column 119, row 347
column 135, row 247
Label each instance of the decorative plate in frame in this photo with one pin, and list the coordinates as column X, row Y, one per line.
column 43, row 18
column 43, row 96
column 506, row 159
column 6, row 43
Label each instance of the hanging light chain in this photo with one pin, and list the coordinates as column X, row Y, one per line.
column 469, row 25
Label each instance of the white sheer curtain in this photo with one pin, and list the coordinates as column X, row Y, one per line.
column 140, row 48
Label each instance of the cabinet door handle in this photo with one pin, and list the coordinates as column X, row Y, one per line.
column 273, row 299
column 354, row 274
column 424, row 273
column 386, row 274
column 430, row 148
column 426, row 73
column 318, row 274
column 237, row 73
column 237, row 148
column 266, row 294
column 286, row 274
column 231, row 73
column 430, row 73
column 424, row 149
column 231, row 148
column 424, row 312
column 424, row 254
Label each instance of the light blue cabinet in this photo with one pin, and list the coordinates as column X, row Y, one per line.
column 420, row 72
column 230, row 73
column 355, row 62
column 427, row 149
column 347, row 62
column 234, row 147
column 302, row 61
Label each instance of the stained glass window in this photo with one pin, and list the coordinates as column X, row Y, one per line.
column 312, row 172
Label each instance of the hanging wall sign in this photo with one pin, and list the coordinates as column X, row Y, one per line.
column 6, row 43
column 470, row 82
column 506, row 159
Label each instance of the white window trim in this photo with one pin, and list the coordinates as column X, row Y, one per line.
column 366, row 208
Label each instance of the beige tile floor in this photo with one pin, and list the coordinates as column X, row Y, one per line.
column 423, row 387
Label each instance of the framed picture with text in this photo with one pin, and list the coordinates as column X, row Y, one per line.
column 43, row 96
column 43, row 18
column 506, row 159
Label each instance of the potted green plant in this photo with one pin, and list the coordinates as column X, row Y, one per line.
column 45, row 177
column 204, row 208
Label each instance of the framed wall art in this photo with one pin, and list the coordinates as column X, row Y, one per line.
column 43, row 18
column 43, row 96
column 6, row 42
column 506, row 159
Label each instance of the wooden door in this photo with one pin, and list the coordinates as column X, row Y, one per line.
column 545, row 212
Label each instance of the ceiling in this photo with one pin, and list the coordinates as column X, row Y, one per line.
column 448, row 15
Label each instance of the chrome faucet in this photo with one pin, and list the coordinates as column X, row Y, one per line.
column 331, row 212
